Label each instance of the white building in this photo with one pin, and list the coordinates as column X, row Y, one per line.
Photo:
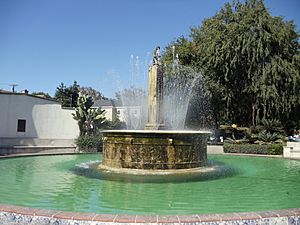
column 108, row 106
column 27, row 120
column 114, row 109
column 124, row 111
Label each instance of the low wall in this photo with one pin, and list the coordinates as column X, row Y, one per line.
column 292, row 150
column 31, row 216
column 10, row 150
column 36, row 145
column 35, row 142
column 215, row 149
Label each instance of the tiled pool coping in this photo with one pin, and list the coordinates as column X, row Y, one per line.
column 10, row 214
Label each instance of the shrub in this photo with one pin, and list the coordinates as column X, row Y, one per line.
column 89, row 143
column 266, row 149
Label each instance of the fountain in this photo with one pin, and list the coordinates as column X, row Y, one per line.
column 74, row 183
column 155, row 147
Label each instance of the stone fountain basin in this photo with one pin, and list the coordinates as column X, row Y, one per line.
column 154, row 149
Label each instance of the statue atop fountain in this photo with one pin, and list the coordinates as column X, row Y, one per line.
column 155, row 94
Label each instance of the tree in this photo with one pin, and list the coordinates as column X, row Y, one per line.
column 131, row 97
column 89, row 119
column 67, row 95
column 42, row 94
column 74, row 92
column 250, row 61
column 96, row 95
column 185, row 48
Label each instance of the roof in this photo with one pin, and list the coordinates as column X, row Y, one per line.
column 103, row 102
column 24, row 94
column 118, row 103
column 110, row 103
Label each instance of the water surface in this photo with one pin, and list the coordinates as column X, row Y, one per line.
column 52, row 182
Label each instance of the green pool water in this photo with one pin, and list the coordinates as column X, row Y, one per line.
column 52, row 182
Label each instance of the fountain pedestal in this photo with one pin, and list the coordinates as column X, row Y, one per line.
column 155, row 98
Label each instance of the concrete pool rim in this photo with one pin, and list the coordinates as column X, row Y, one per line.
column 28, row 215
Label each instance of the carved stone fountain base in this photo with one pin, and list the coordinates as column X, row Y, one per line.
column 154, row 149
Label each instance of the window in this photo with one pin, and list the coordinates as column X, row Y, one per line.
column 21, row 126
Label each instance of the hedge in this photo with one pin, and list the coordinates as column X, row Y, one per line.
column 266, row 149
column 89, row 143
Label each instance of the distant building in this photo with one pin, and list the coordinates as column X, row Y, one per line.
column 114, row 109
column 27, row 120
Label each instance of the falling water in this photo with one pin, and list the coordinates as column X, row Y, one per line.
column 178, row 89
column 134, row 99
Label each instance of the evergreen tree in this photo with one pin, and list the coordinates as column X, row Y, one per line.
column 67, row 95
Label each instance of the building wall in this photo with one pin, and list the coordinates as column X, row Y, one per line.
column 123, row 111
column 110, row 113
column 46, row 122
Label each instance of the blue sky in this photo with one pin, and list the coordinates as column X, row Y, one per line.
column 105, row 44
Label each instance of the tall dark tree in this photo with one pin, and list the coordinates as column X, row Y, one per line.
column 250, row 61
column 67, row 95
column 62, row 95
column 74, row 92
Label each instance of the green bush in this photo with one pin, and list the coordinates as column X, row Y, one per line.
column 266, row 149
column 89, row 143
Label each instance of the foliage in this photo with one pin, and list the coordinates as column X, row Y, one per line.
column 130, row 95
column 234, row 133
column 42, row 94
column 250, row 61
column 116, row 124
column 67, row 95
column 90, row 143
column 270, row 130
column 266, row 149
column 267, row 131
column 185, row 48
column 266, row 136
column 96, row 95
column 271, row 126
column 89, row 119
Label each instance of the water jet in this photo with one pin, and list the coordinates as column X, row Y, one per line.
column 155, row 147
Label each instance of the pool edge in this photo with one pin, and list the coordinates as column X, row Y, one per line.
column 26, row 215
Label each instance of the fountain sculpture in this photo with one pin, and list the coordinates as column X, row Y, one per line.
column 156, row 147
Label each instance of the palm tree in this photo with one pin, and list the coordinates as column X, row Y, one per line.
column 89, row 119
